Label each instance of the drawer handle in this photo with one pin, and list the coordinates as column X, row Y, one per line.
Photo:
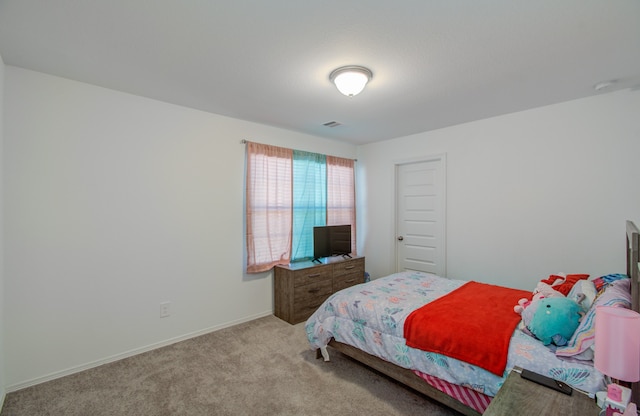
column 349, row 267
column 314, row 275
column 350, row 280
column 314, row 290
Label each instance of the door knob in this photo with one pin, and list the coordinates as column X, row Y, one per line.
column 400, row 238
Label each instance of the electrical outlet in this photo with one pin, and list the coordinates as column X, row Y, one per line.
column 165, row 309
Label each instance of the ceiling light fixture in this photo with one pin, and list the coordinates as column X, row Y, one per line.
column 350, row 80
column 604, row 85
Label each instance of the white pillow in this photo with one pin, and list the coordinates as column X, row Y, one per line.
column 586, row 288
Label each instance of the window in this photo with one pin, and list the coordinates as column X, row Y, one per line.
column 288, row 192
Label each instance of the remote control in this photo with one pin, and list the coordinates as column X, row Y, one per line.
column 546, row 381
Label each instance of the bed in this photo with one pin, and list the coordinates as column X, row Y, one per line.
column 367, row 323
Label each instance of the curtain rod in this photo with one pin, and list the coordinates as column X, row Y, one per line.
column 245, row 141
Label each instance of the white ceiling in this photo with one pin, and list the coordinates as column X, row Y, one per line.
column 435, row 63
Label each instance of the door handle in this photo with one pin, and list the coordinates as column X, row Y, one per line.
column 400, row 238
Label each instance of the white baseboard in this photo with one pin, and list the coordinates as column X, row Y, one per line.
column 126, row 354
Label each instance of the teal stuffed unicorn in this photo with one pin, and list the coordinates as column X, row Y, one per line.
column 553, row 320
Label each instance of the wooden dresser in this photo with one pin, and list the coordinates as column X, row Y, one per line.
column 299, row 288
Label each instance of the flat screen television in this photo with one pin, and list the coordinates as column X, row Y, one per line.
column 331, row 240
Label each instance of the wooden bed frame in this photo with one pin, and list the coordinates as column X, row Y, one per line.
column 410, row 379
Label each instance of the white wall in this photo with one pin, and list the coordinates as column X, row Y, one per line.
column 528, row 194
column 113, row 204
column 2, row 303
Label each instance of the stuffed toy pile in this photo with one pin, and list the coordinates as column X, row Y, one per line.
column 550, row 316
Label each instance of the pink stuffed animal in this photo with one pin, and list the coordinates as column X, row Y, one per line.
column 545, row 290
column 542, row 290
column 521, row 306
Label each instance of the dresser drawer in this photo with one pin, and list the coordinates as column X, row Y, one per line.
column 348, row 280
column 312, row 275
column 349, row 267
column 309, row 298
column 347, row 274
column 311, row 292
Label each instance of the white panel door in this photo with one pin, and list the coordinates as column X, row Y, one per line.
column 420, row 216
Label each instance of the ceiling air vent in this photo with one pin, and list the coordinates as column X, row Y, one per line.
column 332, row 124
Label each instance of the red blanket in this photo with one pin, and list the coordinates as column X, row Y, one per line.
column 473, row 323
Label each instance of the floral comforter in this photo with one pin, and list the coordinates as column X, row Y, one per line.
column 371, row 316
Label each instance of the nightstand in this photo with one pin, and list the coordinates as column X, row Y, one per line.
column 521, row 397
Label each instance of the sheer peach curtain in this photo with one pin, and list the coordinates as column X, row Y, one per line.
column 269, row 206
column 341, row 201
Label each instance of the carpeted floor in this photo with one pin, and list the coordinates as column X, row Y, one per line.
column 262, row 367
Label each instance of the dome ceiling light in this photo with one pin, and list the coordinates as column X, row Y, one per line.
column 351, row 80
column 604, row 85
